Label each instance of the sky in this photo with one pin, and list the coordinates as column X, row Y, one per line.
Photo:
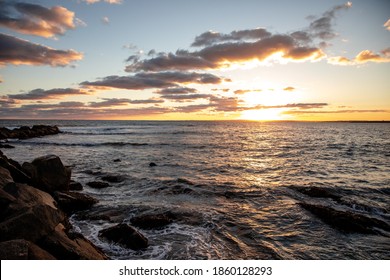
column 309, row 60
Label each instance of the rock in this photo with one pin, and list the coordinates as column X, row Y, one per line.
column 126, row 236
column 151, row 221
column 14, row 169
column 26, row 132
column 317, row 192
column 5, row 177
column 113, row 178
column 6, row 146
column 48, row 173
column 64, row 246
column 346, row 221
column 20, row 249
column 152, row 164
column 32, row 215
column 117, row 160
column 71, row 202
column 5, row 200
column 98, row 185
column 75, row 186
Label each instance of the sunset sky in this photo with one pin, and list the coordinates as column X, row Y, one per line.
column 189, row 60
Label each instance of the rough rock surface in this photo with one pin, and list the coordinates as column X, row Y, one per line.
column 126, row 236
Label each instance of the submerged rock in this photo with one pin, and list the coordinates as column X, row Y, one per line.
column 98, row 185
column 346, row 221
column 151, row 221
column 126, row 236
column 75, row 186
column 113, row 178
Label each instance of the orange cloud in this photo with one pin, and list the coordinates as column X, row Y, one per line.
column 387, row 24
column 36, row 20
column 17, row 52
column 362, row 57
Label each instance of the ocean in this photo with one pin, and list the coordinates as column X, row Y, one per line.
column 235, row 188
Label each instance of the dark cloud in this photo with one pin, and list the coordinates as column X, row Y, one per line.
column 36, row 20
column 112, row 102
column 17, row 51
column 210, row 38
column 323, row 27
column 176, row 90
column 186, row 97
column 162, row 80
column 224, row 54
column 38, row 94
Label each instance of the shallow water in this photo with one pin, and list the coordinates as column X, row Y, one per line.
column 234, row 187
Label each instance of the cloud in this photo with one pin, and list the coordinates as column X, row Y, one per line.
column 105, row 20
column 209, row 38
column 323, row 27
column 300, row 112
column 142, row 80
column 243, row 91
column 176, row 90
column 225, row 54
column 186, row 97
column 112, row 102
column 387, row 24
column 107, row 1
column 17, row 51
column 33, row 19
column 289, row 89
column 362, row 57
column 39, row 94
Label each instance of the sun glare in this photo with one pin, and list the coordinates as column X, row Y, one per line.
column 262, row 115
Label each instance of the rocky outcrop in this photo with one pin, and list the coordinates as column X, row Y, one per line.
column 26, row 132
column 125, row 235
column 48, row 173
column 33, row 224
column 98, row 185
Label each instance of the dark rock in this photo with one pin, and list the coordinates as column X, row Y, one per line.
column 70, row 247
column 5, row 200
column 5, row 177
column 117, row 160
column 152, row 164
column 346, row 221
column 6, row 146
column 317, row 192
column 75, row 186
column 20, row 249
column 26, row 132
column 98, row 185
column 71, row 202
column 113, row 178
column 48, row 173
column 126, row 236
column 14, row 169
column 151, row 221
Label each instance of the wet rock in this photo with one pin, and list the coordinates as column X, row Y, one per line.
column 113, row 178
column 75, row 186
column 117, row 160
column 126, row 236
column 317, row 192
column 152, row 164
column 6, row 146
column 151, row 221
column 346, row 221
column 26, row 132
column 71, row 202
column 65, row 246
column 20, row 249
column 48, row 173
column 98, row 185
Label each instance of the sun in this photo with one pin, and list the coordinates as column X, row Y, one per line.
column 263, row 115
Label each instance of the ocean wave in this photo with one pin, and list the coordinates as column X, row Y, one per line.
column 113, row 144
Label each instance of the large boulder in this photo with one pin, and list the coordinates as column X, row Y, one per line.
column 48, row 173
column 5, row 177
column 14, row 169
column 20, row 249
column 32, row 215
column 126, row 236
